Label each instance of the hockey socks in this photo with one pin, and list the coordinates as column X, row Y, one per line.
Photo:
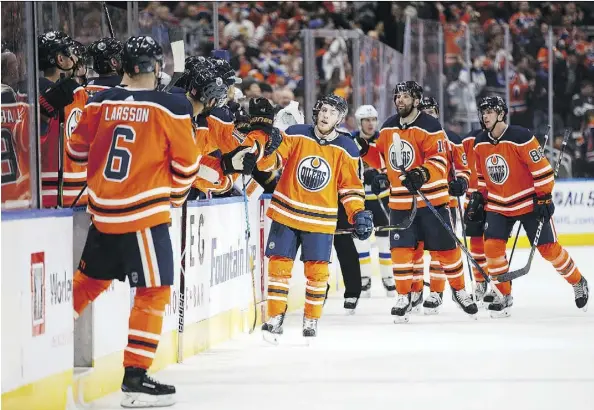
column 317, row 274
column 561, row 261
column 279, row 274
column 477, row 250
column 145, row 325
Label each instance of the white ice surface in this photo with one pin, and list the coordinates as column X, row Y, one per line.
column 541, row 358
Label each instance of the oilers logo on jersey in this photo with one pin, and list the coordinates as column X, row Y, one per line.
column 497, row 169
column 313, row 173
column 407, row 154
column 72, row 121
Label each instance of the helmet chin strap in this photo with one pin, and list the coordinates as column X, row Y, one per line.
column 492, row 139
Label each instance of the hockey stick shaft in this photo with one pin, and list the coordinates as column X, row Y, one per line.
column 249, row 259
column 182, row 284
column 511, row 257
column 108, row 18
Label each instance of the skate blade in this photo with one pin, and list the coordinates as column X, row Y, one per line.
column 391, row 293
column 349, row 312
column 271, row 338
column 431, row 311
column 309, row 341
column 143, row 400
column 402, row 319
column 366, row 294
column 500, row 314
column 585, row 308
column 416, row 310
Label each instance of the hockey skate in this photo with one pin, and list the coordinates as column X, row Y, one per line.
column 464, row 301
column 581, row 294
column 416, row 301
column 501, row 307
column 350, row 304
column 433, row 303
column 310, row 327
column 272, row 329
column 142, row 391
column 389, row 286
column 489, row 297
column 479, row 294
column 365, row 287
column 402, row 308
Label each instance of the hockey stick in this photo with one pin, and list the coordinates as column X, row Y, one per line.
column 461, row 216
column 108, row 18
column 511, row 275
column 249, row 257
column 511, row 257
column 452, row 234
column 176, row 38
column 182, row 285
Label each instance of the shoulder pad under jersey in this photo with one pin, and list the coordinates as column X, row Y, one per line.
column 175, row 103
column 517, row 134
column 223, row 114
column 347, row 143
column 452, row 136
column 299, row 129
column 427, row 123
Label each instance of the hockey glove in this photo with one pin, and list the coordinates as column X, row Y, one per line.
column 363, row 225
column 544, row 206
column 414, row 179
column 241, row 160
column 274, row 140
column 240, row 118
column 363, row 146
column 261, row 114
column 474, row 215
column 369, row 175
column 458, row 187
column 380, row 183
column 57, row 96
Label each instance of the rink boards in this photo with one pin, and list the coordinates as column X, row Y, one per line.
column 40, row 251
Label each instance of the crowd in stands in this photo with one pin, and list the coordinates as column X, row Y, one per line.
column 266, row 50
column 264, row 41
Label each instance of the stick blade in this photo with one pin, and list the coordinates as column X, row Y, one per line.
column 174, row 79
column 511, row 275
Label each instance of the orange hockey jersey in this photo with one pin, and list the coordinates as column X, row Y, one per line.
column 468, row 143
column 16, row 184
column 423, row 143
column 511, row 172
column 75, row 174
column 317, row 174
column 457, row 157
column 141, row 153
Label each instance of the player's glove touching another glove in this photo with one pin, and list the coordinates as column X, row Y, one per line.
column 474, row 216
column 363, row 225
column 544, row 206
column 458, row 187
column 241, row 160
column 414, row 179
column 57, row 96
column 379, row 183
column 261, row 114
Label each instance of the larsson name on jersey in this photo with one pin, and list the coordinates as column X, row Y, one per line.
column 134, row 114
column 497, row 169
column 407, row 154
column 313, row 173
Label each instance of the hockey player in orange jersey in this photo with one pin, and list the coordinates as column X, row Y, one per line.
column 423, row 148
column 457, row 186
column 75, row 174
column 321, row 167
column 476, row 230
column 515, row 182
column 142, row 158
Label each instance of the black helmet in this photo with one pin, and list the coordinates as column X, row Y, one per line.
column 204, row 84
column 102, row 51
column 141, row 52
column 333, row 100
column 225, row 71
column 495, row 103
column 409, row 87
column 428, row 103
column 49, row 44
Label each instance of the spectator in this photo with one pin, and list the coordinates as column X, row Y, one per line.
column 239, row 26
column 282, row 97
column 252, row 90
